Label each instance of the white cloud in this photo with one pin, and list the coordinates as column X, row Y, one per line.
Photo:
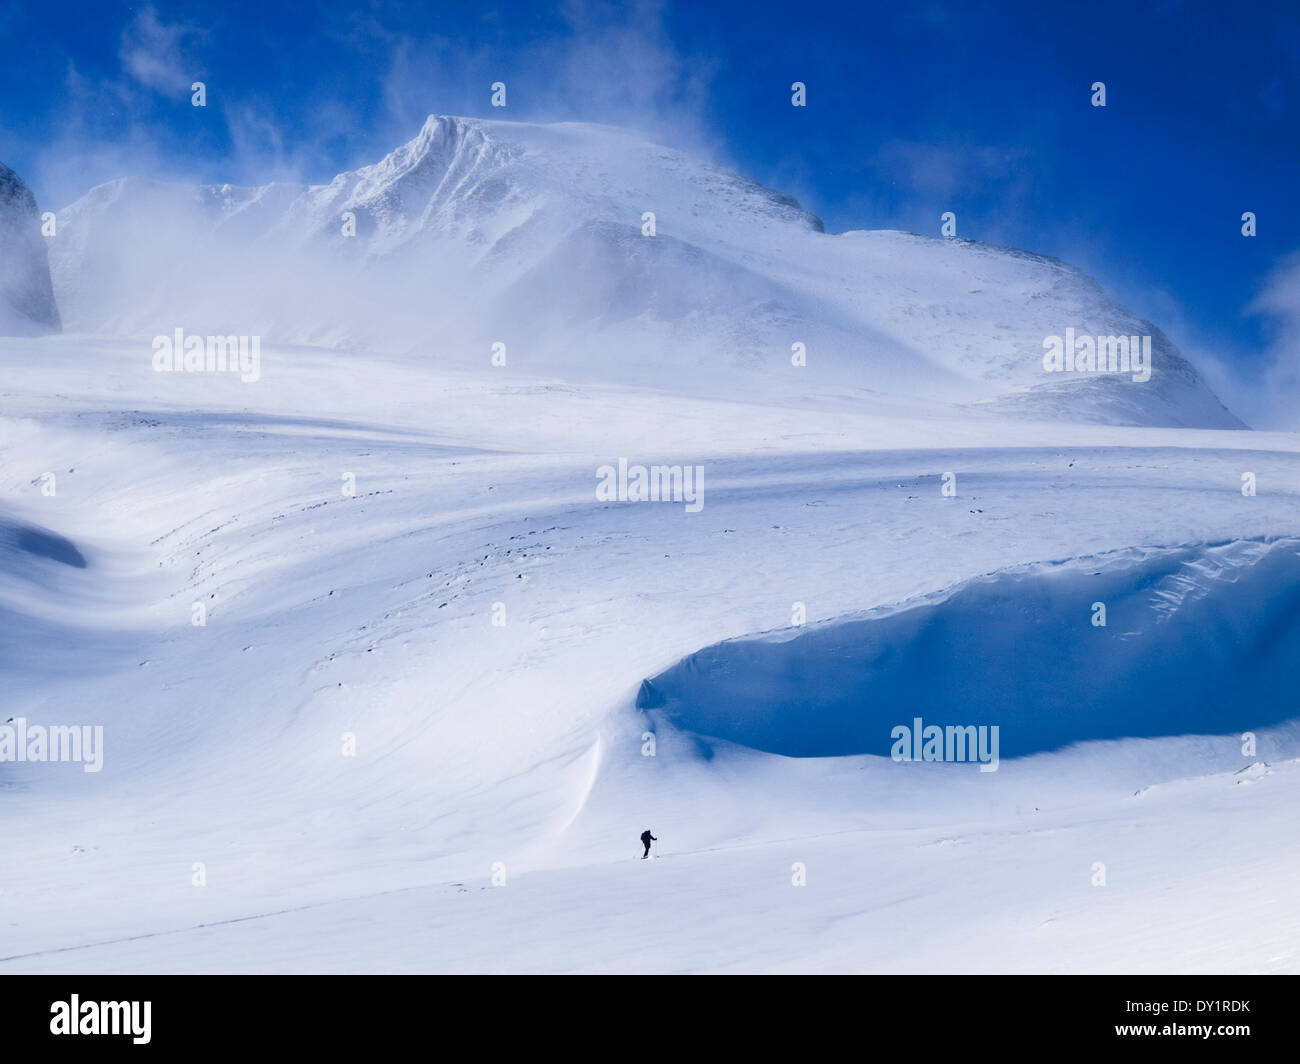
column 154, row 54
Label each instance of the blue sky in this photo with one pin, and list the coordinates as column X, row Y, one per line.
column 914, row 108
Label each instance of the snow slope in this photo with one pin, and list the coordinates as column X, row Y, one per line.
column 477, row 233
column 387, row 685
column 521, row 744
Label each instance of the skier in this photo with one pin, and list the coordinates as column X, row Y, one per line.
column 647, row 838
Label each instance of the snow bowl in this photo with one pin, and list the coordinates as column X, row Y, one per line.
column 1197, row 640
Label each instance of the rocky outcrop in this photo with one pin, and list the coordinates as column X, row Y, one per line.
column 27, row 304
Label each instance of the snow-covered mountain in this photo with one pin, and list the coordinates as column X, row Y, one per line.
column 534, row 236
column 27, row 306
column 379, row 679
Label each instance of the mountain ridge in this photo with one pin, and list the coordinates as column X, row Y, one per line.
column 537, row 236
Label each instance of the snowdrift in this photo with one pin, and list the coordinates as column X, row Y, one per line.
column 1196, row 640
